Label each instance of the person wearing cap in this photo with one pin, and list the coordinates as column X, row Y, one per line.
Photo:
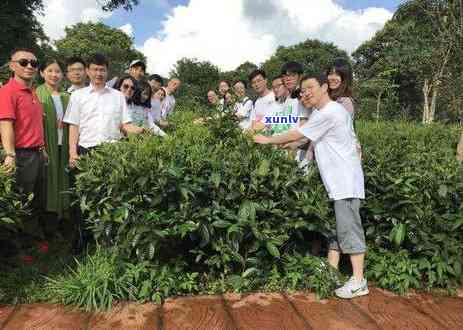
column 21, row 123
column 137, row 69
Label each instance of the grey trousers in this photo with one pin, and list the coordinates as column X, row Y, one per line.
column 350, row 237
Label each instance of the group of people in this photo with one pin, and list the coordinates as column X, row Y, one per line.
column 45, row 129
column 310, row 113
column 314, row 115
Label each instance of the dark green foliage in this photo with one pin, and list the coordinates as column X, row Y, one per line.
column 414, row 190
column 211, row 199
column 313, row 54
column 410, row 49
column 206, row 193
column 13, row 207
column 84, row 39
column 197, row 79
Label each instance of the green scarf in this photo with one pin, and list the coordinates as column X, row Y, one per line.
column 57, row 178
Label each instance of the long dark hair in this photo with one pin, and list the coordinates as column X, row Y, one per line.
column 341, row 67
column 121, row 80
column 137, row 96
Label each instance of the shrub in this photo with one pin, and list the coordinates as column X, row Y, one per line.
column 206, row 193
column 207, row 198
column 13, row 207
column 414, row 189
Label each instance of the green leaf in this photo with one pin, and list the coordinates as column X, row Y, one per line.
column 7, row 220
column 272, row 249
column 249, row 271
column 264, row 168
column 400, row 230
column 215, row 178
column 443, row 190
column 221, row 224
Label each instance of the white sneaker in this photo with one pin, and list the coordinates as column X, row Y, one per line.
column 352, row 289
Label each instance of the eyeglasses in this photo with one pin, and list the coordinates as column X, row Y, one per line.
column 23, row 62
column 125, row 86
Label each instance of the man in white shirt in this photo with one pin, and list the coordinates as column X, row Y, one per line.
column 168, row 104
column 75, row 73
column 96, row 114
column 330, row 129
column 265, row 103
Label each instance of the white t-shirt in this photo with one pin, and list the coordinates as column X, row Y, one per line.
column 155, row 111
column 285, row 116
column 263, row 106
column 167, row 106
column 243, row 111
column 331, row 131
column 99, row 115
column 59, row 115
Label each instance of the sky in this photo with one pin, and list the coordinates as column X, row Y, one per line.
column 226, row 32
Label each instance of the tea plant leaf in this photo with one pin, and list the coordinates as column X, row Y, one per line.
column 215, row 178
column 264, row 168
column 272, row 249
column 249, row 272
column 221, row 224
column 443, row 190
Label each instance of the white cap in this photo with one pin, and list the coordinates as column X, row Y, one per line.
column 135, row 62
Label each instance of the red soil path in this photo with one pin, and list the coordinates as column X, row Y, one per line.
column 379, row 310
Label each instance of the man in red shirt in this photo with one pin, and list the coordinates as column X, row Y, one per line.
column 21, row 122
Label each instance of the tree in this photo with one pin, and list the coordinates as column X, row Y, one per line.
column 314, row 55
column 240, row 73
column 110, row 5
column 84, row 39
column 374, row 91
column 197, row 78
column 20, row 27
column 422, row 44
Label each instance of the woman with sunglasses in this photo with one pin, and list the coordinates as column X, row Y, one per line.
column 54, row 101
column 137, row 100
column 127, row 85
column 142, row 109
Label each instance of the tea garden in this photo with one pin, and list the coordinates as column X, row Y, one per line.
column 205, row 210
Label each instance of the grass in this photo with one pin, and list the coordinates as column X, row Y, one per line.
column 23, row 277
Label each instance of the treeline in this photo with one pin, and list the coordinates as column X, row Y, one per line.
column 411, row 69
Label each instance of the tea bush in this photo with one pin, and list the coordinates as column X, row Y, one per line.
column 13, row 207
column 207, row 198
column 206, row 193
column 414, row 189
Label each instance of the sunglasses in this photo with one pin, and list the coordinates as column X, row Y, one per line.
column 23, row 62
column 125, row 86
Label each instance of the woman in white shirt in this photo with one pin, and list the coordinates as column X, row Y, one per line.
column 155, row 114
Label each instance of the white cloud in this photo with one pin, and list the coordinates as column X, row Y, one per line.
column 127, row 29
column 62, row 13
column 230, row 32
